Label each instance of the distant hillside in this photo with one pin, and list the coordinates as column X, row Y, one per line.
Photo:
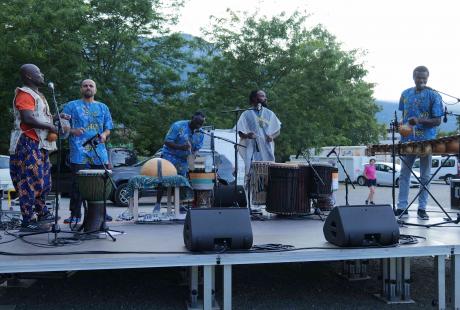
column 387, row 114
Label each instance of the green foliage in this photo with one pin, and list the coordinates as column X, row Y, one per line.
column 109, row 41
column 316, row 89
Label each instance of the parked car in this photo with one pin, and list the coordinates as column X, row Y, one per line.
column 449, row 170
column 385, row 175
column 119, row 157
column 5, row 179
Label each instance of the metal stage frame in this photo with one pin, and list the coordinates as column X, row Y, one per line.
column 306, row 235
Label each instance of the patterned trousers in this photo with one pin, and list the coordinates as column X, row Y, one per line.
column 30, row 173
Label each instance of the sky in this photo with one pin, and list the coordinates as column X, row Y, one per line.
column 397, row 35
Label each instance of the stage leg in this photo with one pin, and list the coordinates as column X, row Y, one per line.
column 395, row 280
column 455, row 272
column 440, row 267
column 227, row 287
column 207, row 287
column 193, row 285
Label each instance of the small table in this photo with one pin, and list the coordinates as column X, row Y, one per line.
column 145, row 182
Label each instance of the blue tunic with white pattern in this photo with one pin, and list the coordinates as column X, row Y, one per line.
column 180, row 133
column 423, row 104
column 94, row 117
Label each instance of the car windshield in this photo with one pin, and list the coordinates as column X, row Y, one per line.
column 4, row 162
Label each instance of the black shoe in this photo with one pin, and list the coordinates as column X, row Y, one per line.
column 422, row 214
column 108, row 218
column 398, row 212
column 372, row 203
column 31, row 227
column 366, row 202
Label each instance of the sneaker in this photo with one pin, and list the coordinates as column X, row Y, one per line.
column 30, row 227
column 47, row 217
column 108, row 218
column 366, row 202
column 398, row 212
column 72, row 220
column 422, row 214
column 372, row 203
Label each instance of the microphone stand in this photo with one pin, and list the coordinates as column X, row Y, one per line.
column 394, row 126
column 347, row 178
column 235, row 145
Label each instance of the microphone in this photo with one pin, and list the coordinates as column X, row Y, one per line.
column 51, row 85
column 92, row 140
column 332, row 152
column 445, row 115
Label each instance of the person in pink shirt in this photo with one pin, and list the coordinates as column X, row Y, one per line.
column 371, row 180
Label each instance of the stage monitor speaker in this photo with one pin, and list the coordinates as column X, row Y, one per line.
column 210, row 229
column 356, row 226
column 224, row 196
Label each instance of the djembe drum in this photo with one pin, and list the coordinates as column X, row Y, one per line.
column 95, row 187
column 259, row 181
column 203, row 185
column 287, row 190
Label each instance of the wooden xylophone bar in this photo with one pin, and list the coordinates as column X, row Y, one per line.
column 442, row 146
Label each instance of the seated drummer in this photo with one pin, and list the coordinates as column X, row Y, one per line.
column 182, row 139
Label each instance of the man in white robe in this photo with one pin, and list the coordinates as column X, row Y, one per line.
column 257, row 128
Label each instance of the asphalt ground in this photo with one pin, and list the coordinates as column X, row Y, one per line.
column 264, row 286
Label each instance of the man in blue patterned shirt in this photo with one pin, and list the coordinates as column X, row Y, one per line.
column 421, row 108
column 182, row 140
column 88, row 118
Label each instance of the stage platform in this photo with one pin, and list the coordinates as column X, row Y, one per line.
column 161, row 245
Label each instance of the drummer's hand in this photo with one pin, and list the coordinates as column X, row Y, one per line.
column 269, row 139
column 186, row 147
column 65, row 116
column 413, row 121
column 103, row 137
column 77, row 131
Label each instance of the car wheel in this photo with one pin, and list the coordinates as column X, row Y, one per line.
column 121, row 195
column 448, row 179
column 361, row 181
column 397, row 182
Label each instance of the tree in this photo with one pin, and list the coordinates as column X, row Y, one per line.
column 317, row 89
column 104, row 40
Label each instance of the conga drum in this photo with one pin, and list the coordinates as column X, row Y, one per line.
column 259, row 181
column 287, row 194
column 203, row 185
column 95, row 190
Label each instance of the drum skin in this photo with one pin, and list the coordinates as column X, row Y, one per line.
column 150, row 168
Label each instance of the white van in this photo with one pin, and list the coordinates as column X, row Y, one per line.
column 449, row 170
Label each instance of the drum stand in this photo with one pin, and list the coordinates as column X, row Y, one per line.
column 103, row 228
column 448, row 219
